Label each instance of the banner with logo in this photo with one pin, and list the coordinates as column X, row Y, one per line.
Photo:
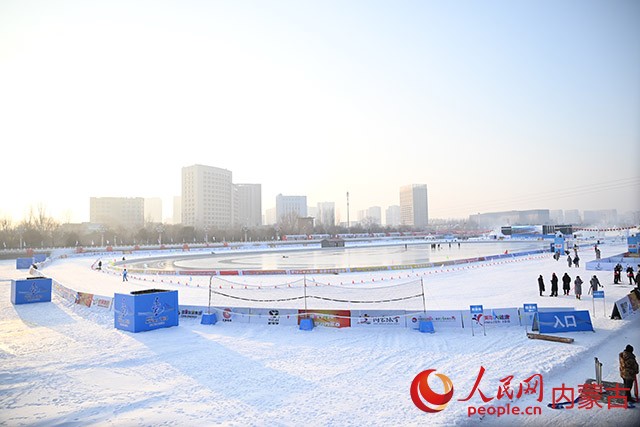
column 328, row 318
column 64, row 292
column 191, row 311
column 440, row 319
column 232, row 314
column 100, row 301
column 377, row 318
column 84, row 298
column 491, row 317
column 527, row 317
column 274, row 316
column 564, row 321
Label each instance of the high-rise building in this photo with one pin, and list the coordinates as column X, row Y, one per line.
column 572, row 216
column 326, row 214
column 207, row 197
column 414, row 205
column 392, row 216
column 287, row 206
column 177, row 210
column 153, row 209
column 248, row 204
column 374, row 214
column 116, row 212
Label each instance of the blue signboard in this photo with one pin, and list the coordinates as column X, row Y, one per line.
column 146, row 310
column 564, row 321
column 23, row 263
column 559, row 245
column 632, row 241
column 476, row 309
column 598, row 294
column 531, row 308
column 39, row 257
column 28, row 291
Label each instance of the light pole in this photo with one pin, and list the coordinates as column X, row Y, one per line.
column 348, row 222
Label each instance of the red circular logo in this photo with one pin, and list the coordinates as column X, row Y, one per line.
column 426, row 399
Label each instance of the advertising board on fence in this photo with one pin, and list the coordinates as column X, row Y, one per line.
column 376, row 318
column 233, row 315
column 274, row 316
column 328, row 318
column 191, row 311
column 490, row 317
column 64, row 292
column 622, row 308
column 439, row 318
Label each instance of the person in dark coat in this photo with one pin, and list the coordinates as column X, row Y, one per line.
column 577, row 287
column 569, row 260
column 554, row 285
column 566, row 284
column 576, row 261
column 616, row 273
column 630, row 275
column 628, row 369
column 595, row 284
column 541, row 284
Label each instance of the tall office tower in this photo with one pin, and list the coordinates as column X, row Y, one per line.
column 287, row 206
column 153, row 209
column 248, row 205
column 414, row 205
column 326, row 215
column 125, row 212
column 207, row 197
column 392, row 216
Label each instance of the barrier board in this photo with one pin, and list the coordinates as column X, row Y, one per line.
column 27, row 291
column 563, row 321
column 146, row 310
column 439, row 318
column 274, row 316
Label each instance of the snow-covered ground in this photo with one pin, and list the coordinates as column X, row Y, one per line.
column 61, row 363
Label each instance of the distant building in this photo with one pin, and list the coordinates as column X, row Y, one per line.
column 207, row 197
column 153, row 209
column 556, row 216
column 326, row 214
column 116, row 212
column 177, row 210
column 495, row 219
column 374, row 214
column 600, row 217
column 270, row 217
column 290, row 206
column 392, row 216
column 572, row 216
column 414, row 205
column 248, row 205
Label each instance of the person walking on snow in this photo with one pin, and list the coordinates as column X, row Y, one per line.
column 595, row 284
column 628, row 369
column 630, row 275
column 569, row 260
column 541, row 284
column 576, row 261
column 124, row 275
column 577, row 287
column 566, row 284
column 554, row 285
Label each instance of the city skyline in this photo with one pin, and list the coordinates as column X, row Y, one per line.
column 494, row 106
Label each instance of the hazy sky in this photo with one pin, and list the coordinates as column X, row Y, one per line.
column 494, row 105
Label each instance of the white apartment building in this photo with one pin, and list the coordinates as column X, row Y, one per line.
column 207, row 197
column 248, row 205
column 125, row 212
column 290, row 205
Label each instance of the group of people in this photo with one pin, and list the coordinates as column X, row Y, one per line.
column 571, row 260
column 594, row 284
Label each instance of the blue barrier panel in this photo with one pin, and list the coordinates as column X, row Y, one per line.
column 209, row 319
column 23, row 263
column 558, row 243
column 632, row 241
column 39, row 257
column 564, row 321
column 426, row 326
column 306, row 324
column 28, row 291
column 146, row 310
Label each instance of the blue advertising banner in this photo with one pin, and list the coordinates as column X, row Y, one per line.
column 28, row 291
column 632, row 241
column 146, row 310
column 598, row 294
column 476, row 309
column 564, row 321
column 530, row 308
column 23, row 263
column 39, row 257
column 559, row 245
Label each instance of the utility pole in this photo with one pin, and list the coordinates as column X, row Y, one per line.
column 348, row 223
